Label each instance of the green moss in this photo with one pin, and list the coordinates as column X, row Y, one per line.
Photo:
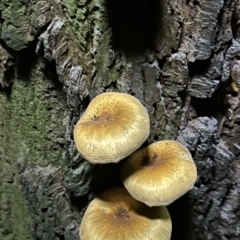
column 86, row 18
column 88, row 22
column 17, row 30
column 31, row 132
column 106, row 75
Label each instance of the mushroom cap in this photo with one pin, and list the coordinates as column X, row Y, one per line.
column 113, row 126
column 115, row 215
column 160, row 173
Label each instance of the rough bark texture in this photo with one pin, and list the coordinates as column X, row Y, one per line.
column 179, row 58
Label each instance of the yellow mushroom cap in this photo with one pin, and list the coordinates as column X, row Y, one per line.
column 160, row 173
column 115, row 215
column 113, row 126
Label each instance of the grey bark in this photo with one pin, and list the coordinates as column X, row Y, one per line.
column 179, row 58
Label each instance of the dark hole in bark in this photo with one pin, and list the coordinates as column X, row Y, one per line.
column 8, row 82
column 161, row 62
column 198, row 67
column 196, row 2
column 215, row 106
column 182, row 94
column 59, row 236
column 1, row 19
column 44, row 210
column 78, row 203
column 26, row 60
column 85, row 102
column 134, row 24
column 155, row 138
column 51, row 73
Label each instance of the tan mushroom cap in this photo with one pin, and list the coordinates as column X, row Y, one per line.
column 113, row 126
column 160, row 173
column 115, row 215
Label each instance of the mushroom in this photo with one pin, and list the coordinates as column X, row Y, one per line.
column 113, row 126
column 160, row 173
column 115, row 215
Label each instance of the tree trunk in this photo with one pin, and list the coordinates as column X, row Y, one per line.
column 181, row 59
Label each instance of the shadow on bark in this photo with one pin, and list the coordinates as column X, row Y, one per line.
column 106, row 176
column 179, row 211
column 135, row 24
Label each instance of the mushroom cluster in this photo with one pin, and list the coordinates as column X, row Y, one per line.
column 112, row 128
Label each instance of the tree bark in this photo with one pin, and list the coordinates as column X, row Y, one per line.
column 179, row 58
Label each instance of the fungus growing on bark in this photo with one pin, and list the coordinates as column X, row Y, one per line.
column 160, row 173
column 114, row 214
column 113, row 126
